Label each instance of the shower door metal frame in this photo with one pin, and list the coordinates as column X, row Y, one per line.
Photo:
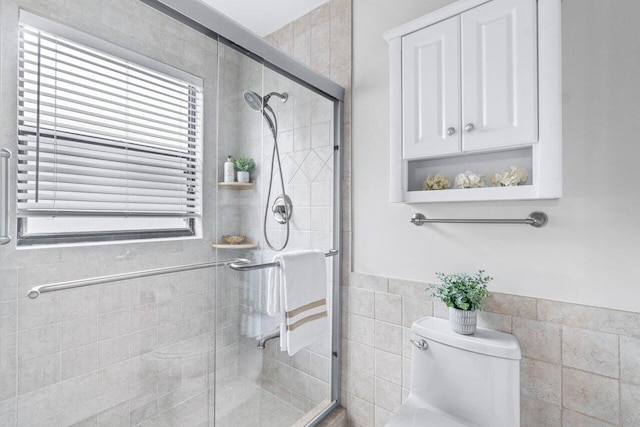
column 215, row 25
column 336, row 323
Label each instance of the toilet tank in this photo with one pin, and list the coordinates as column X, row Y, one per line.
column 475, row 378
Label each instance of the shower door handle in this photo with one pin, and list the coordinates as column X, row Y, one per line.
column 5, row 155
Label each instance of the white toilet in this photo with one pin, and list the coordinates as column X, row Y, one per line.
column 461, row 380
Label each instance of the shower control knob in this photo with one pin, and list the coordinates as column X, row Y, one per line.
column 469, row 127
column 451, row 131
column 422, row 344
column 282, row 209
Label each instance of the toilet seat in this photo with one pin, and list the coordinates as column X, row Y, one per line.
column 418, row 414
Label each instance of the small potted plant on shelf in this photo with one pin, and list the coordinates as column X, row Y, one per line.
column 463, row 294
column 244, row 166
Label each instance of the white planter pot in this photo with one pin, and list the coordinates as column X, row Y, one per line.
column 243, row 176
column 462, row 321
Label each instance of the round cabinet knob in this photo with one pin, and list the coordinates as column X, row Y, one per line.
column 469, row 127
column 451, row 131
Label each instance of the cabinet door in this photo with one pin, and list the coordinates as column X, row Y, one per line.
column 499, row 77
column 431, row 90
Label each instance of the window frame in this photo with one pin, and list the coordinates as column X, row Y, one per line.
column 193, row 225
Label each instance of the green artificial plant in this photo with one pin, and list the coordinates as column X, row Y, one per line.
column 244, row 164
column 462, row 290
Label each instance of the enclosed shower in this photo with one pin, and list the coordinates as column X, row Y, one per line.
column 167, row 329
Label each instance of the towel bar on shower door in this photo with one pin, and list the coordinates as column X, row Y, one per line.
column 61, row 286
column 244, row 264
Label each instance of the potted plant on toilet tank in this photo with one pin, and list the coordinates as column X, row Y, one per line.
column 463, row 294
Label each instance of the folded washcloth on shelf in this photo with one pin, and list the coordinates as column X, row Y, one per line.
column 297, row 295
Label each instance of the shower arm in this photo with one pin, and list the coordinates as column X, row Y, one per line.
column 283, row 97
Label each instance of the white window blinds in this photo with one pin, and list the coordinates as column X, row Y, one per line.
column 101, row 136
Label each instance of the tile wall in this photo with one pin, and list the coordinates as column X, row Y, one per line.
column 580, row 365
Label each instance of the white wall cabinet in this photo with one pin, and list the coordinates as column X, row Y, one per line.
column 431, row 90
column 499, row 98
column 477, row 84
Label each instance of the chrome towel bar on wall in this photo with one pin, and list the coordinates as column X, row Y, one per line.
column 245, row 264
column 535, row 219
column 5, row 155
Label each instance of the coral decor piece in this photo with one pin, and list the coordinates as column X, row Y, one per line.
column 469, row 179
column 234, row 240
column 516, row 175
column 436, row 182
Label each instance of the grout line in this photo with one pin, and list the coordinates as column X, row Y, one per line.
column 561, row 371
column 620, row 408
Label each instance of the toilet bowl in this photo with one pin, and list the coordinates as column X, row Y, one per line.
column 461, row 380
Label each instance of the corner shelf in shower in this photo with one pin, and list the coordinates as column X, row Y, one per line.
column 248, row 245
column 235, row 185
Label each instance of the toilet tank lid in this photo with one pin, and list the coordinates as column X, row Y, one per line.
column 483, row 341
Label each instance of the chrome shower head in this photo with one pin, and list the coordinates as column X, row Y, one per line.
column 257, row 103
column 260, row 104
column 253, row 99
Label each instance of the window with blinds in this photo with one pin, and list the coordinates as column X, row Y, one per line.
column 107, row 148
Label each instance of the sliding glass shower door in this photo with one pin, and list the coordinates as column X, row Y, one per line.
column 264, row 386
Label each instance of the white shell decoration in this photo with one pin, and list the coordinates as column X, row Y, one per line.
column 516, row 175
column 469, row 179
column 436, row 182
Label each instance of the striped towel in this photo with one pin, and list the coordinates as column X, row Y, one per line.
column 297, row 295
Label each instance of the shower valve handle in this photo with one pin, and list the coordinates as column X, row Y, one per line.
column 282, row 209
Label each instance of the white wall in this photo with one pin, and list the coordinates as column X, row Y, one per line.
column 589, row 252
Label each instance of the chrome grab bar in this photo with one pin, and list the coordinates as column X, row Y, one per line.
column 37, row 290
column 5, row 155
column 244, row 264
column 535, row 219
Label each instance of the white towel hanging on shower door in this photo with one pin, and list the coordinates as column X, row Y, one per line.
column 297, row 295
